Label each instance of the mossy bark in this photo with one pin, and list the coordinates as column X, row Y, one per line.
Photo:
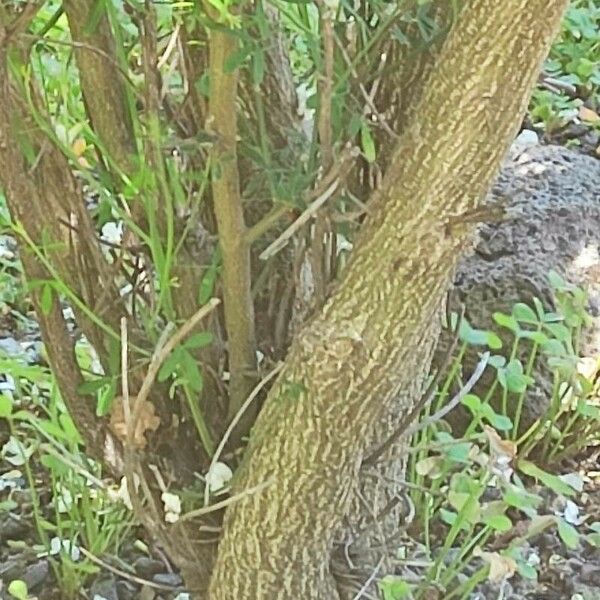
column 346, row 371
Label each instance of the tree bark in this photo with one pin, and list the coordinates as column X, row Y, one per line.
column 349, row 365
column 102, row 83
column 227, row 203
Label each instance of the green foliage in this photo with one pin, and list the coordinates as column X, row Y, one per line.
column 451, row 477
column 45, row 444
column 574, row 60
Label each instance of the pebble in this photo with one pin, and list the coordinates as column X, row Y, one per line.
column 172, row 579
column 590, row 574
column 11, row 569
column 148, row 567
column 104, row 588
column 36, row 574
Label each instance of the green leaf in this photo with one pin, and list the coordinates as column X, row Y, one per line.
column 499, row 422
column 472, row 402
column 170, row 365
column 556, row 281
column 478, row 337
column 54, row 464
column 521, row 499
column 447, row 516
column 506, row 321
column 498, row 523
column 585, row 409
column 458, row 452
column 568, row 534
column 258, row 67
column 559, row 331
column 5, row 406
column 92, row 387
column 393, row 588
column 10, row 505
column 523, row 312
column 46, row 299
column 497, row 361
column 466, row 505
column 69, row 428
column 539, row 309
column 526, row 570
column 191, row 372
column 554, row 348
column 18, row 589
column 512, row 378
column 198, row 340
column 367, row 143
column 535, row 336
column 105, row 399
column 552, row 481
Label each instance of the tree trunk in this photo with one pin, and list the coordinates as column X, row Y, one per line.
column 364, row 356
column 102, row 83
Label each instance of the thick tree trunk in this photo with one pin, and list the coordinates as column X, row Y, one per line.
column 372, row 343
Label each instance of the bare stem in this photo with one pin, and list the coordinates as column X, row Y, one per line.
column 237, row 289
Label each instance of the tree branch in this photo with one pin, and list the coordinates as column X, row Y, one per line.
column 237, row 296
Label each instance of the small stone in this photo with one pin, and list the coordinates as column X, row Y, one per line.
column 13, row 529
column 11, row 569
column 148, row 567
column 36, row 574
column 172, row 579
column 590, row 574
column 11, row 347
column 146, row 593
column 527, row 137
column 104, row 588
column 127, row 591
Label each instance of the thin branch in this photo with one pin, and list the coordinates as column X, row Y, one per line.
column 224, row 503
column 170, row 47
column 23, row 20
column 369, row 97
column 310, row 211
column 124, row 574
column 227, row 202
column 125, row 371
column 337, row 171
column 163, row 348
column 440, row 414
column 267, row 222
column 261, row 384
column 83, row 46
column 369, row 581
column 77, row 468
column 426, row 398
column 326, row 85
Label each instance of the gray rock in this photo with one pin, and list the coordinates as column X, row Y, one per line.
column 104, row 588
column 148, row 567
column 171, row 579
column 590, row 574
column 551, row 197
column 36, row 574
column 11, row 569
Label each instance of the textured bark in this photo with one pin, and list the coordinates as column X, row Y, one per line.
column 102, row 82
column 227, row 202
column 43, row 199
column 347, row 367
column 407, row 71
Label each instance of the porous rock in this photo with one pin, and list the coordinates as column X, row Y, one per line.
column 552, row 200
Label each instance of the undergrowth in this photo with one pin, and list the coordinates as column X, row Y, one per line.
column 488, row 484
